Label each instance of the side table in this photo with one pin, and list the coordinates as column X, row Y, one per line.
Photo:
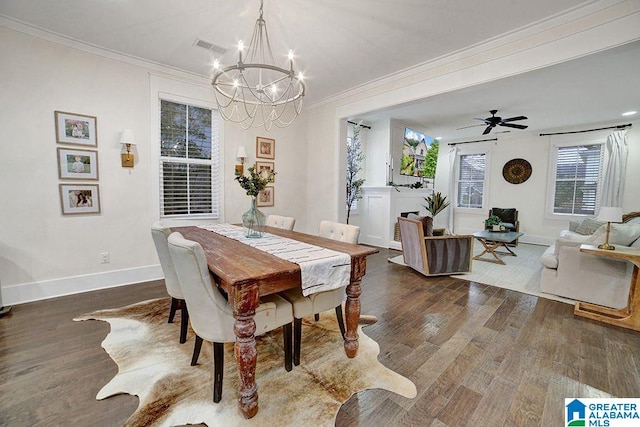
column 628, row 317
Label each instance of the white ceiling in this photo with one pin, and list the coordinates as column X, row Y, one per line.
column 343, row 44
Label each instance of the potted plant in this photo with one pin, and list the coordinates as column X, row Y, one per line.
column 355, row 157
column 493, row 222
column 254, row 220
column 436, row 203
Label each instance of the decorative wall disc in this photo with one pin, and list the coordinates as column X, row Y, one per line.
column 516, row 171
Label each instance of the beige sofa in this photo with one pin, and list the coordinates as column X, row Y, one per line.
column 585, row 277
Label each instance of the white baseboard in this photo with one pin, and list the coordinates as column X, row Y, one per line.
column 35, row 291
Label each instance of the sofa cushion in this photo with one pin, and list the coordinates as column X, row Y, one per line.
column 573, row 225
column 548, row 258
column 427, row 223
column 572, row 235
column 588, row 226
column 620, row 234
column 636, row 244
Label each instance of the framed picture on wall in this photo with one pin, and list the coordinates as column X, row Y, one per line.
column 265, row 166
column 77, row 164
column 266, row 197
column 79, row 199
column 74, row 128
column 265, row 148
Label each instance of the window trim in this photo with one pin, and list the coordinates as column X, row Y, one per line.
column 188, row 93
column 570, row 141
column 214, row 162
column 486, row 182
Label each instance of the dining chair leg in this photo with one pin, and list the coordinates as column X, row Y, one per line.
column 297, row 335
column 286, row 332
column 218, row 370
column 175, row 304
column 196, row 351
column 340, row 319
column 184, row 321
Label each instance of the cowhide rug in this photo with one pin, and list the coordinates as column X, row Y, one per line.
column 155, row 367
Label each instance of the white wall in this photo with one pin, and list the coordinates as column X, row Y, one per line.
column 529, row 197
column 42, row 252
column 566, row 37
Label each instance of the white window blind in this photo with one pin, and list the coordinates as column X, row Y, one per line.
column 189, row 168
column 578, row 175
column 471, row 180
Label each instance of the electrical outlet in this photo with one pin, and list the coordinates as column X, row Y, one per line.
column 104, row 258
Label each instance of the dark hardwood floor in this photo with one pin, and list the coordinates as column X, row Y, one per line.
column 479, row 355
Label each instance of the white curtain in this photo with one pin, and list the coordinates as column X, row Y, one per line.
column 615, row 168
column 453, row 152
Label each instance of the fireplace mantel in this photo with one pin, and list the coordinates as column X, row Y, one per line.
column 381, row 206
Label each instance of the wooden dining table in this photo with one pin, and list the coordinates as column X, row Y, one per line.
column 246, row 274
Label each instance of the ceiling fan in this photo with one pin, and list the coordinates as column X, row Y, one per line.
column 494, row 121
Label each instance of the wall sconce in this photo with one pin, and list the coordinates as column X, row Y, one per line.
column 241, row 155
column 609, row 214
column 127, row 140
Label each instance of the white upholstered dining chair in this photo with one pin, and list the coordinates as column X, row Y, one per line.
column 160, row 233
column 284, row 222
column 315, row 304
column 211, row 315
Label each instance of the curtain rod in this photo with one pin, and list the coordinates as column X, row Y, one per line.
column 361, row 125
column 468, row 142
column 628, row 125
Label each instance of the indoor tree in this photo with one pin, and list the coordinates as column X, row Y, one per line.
column 355, row 157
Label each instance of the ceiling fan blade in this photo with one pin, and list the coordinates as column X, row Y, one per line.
column 482, row 120
column 513, row 119
column 472, row 126
column 487, row 130
column 513, row 125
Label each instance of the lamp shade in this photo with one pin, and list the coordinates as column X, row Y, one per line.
column 610, row 214
column 241, row 153
column 127, row 137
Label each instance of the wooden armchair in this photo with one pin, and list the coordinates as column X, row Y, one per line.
column 508, row 218
column 431, row 256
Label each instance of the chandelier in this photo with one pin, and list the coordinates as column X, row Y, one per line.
column 255, row 92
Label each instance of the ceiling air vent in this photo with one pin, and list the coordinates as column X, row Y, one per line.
column 210, row 46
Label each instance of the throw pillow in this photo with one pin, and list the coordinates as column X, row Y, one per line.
column 427, row 223
column 573, row 225
column 589, row 226
column 620, row 234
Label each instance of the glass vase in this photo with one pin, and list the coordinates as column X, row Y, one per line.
column 253, row 221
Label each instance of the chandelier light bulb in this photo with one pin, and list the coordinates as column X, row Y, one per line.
column 216, row 64
column 256, row 92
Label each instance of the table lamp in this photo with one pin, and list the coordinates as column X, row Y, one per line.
column 609, row 214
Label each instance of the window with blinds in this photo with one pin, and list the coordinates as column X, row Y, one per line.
column 189, row 175
column 578, row 171
column 471, row 180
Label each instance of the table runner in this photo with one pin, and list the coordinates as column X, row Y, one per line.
column 322, row 269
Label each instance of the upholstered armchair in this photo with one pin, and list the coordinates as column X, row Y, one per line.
column 434, row 255
column 315, row 304
column 284, row 222
column 508, row 218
